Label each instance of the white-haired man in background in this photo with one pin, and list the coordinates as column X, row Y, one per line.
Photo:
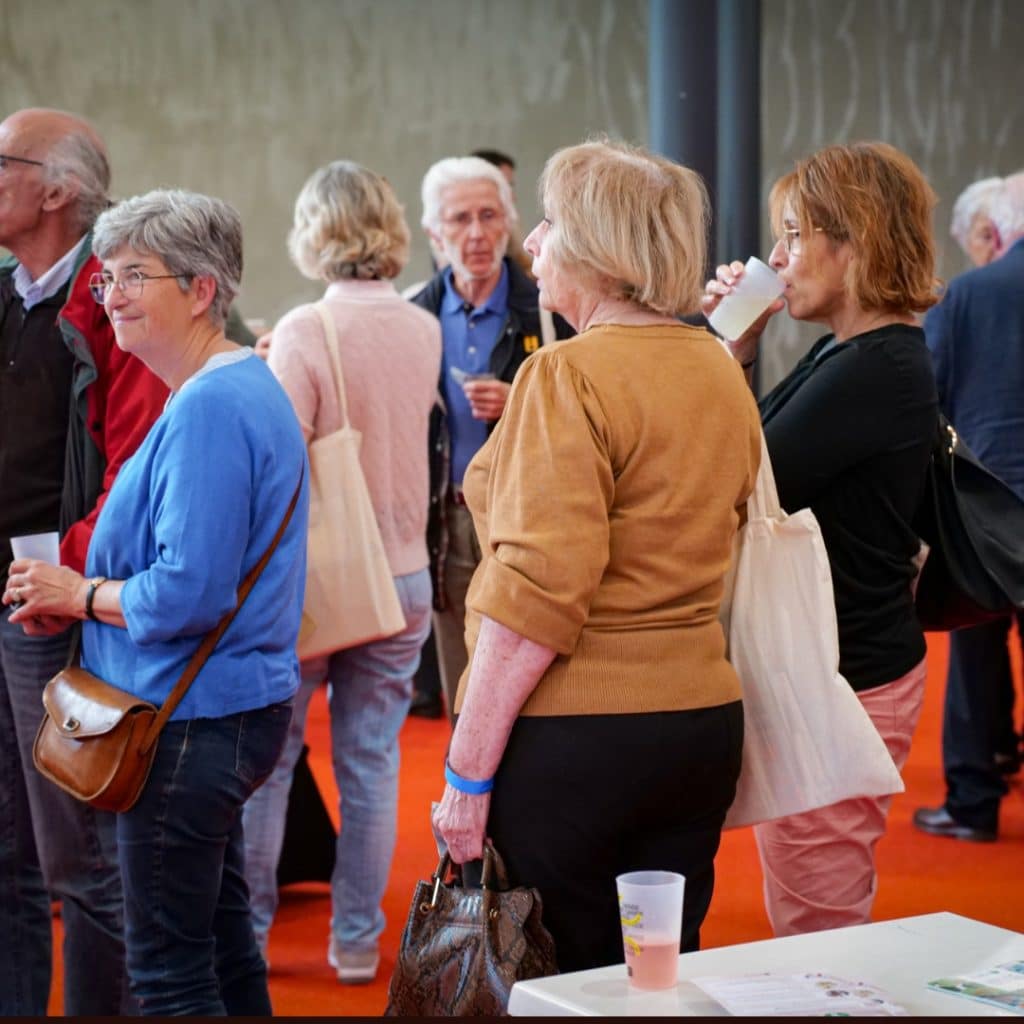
column 972, row 225
column 490, row 323
column 976, row 337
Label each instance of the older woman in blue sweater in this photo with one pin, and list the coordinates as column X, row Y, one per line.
column 189, row 516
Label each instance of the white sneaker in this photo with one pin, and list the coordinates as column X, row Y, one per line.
column 353, row 968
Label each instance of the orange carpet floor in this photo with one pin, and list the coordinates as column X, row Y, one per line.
column 917, row 873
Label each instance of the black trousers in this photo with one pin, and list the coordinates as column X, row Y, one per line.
column 977, row 721
column 580, row 799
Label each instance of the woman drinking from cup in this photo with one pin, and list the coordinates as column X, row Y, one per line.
column 849, row 432
column 598, row 703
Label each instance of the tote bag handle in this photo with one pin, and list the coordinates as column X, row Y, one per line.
column 331, row 341
column 763, row 502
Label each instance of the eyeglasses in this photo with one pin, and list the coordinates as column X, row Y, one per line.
column 791, row 240
column 6, row 158
column 462, row 220
column 130, row 285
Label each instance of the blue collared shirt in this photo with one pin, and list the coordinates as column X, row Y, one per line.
column 469, row 338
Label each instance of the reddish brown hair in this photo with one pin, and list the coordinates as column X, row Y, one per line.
column 874, row 197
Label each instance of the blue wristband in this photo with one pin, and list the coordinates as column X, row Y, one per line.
column 475, row 787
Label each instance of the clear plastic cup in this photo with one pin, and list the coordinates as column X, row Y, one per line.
column 651, row 912
column 755, row 291
column 44, row 546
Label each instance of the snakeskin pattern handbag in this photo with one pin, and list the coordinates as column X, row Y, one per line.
column 463, row 949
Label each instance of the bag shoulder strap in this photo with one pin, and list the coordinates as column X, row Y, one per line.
column 331, row 341
column 763, row 502
column 212, row 638
column 548, row 334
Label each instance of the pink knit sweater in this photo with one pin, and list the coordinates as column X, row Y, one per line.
column 390, row 358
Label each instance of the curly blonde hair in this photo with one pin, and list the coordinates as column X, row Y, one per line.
column 348, row 224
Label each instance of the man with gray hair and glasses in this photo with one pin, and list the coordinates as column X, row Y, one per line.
column 490, row 323
column 73, row 407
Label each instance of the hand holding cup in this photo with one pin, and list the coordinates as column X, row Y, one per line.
column 739, row 301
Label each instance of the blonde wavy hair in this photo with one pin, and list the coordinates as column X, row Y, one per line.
column 628, row 222
column 348, row 224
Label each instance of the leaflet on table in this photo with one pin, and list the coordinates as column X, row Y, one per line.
column 811, row 994
column 1000, row 985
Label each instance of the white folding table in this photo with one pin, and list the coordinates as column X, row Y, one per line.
column 898, row 956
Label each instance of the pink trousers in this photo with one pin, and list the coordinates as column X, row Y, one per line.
column 819, row 867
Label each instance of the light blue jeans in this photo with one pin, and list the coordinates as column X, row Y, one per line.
column 370, row 688
column 51, row 846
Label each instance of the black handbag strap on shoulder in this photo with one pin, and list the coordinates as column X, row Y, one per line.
column 212, row 638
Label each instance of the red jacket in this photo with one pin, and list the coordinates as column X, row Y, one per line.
column 117, row 398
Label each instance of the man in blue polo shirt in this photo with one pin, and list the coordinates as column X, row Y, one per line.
column 490, row 323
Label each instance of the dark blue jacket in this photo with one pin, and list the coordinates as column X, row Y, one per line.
column 519, row 337
column 976, row 338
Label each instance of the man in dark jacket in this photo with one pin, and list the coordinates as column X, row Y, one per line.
column 73, row 407
column 976, row 337
column 490, row 323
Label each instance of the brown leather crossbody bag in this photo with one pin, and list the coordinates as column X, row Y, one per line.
column 97, row 742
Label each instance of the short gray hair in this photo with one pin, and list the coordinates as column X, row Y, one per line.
column 453, row 170
column 1007, row 210
column 194, row 235
column 78, row 157
column 976, row 198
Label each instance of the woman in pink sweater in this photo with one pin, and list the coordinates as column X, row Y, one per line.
column 349, row 230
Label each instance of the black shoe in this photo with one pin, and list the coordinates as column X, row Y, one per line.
column 426, row 705
column 937, row 821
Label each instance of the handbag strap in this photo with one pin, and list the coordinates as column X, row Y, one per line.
column 331, row 341
column 212, row 638
column 763, row 502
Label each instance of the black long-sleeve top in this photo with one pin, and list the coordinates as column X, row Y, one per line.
column 849, row 432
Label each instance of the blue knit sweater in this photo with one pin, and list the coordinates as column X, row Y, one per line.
column 189, row 514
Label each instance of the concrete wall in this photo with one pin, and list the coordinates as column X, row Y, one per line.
column 244, row 98
column 942, row 80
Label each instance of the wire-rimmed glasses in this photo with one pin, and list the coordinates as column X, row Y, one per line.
column 791, row 240
column 130, row 284
column 6, row 158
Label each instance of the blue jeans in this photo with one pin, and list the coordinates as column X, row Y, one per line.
column 370, row 691
column 51, row 847
column 188, row 933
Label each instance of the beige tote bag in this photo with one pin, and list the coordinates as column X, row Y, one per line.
column 350, row 593
column 807, row 740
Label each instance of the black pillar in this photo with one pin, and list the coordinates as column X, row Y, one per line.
column 737, row 229
column 739, row 212
column 682, row 85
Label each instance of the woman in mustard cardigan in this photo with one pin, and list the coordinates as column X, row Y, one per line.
column 599, row 724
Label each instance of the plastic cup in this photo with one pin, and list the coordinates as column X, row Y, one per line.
column 755, row 291
column 44, row 546
column 651, row 912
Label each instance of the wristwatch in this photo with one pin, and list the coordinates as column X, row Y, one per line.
column 94, row 584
